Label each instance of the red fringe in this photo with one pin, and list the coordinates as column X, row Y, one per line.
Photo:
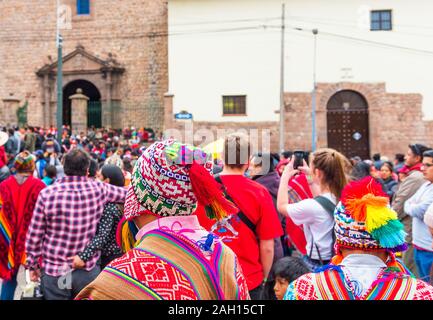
column 357, row 194
column 208, row 192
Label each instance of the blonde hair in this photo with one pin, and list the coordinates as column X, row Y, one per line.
column 333, row 164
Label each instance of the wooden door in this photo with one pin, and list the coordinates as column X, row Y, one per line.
column 348, row 126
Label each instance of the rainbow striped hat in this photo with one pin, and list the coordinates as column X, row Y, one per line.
column 24, row 162
column 364, row 219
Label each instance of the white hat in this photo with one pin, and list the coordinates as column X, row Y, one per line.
column 4, row 137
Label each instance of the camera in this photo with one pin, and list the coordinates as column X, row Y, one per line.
column 299, row 159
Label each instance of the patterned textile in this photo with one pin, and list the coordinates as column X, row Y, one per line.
column 364, row 219
column 24, row 162
column 17, row 202
column 333, row 284
column 168, row 266
column 105, row 237
column 161, row 182
column 65, row 220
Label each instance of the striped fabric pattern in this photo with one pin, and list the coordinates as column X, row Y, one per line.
column 6, row 235
column 333, row 285
column 168, row 266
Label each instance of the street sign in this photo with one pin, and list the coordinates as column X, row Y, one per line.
column 183, row 116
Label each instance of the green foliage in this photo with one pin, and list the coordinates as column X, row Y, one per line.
column 22, row 114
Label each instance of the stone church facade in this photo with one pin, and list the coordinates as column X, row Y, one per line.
column 116, row 54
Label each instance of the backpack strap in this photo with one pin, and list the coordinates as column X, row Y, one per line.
column 329, row 207
column 240, row 214
column 326, row 204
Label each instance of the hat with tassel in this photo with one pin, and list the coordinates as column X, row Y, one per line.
column 170, row 178
column 364, row 220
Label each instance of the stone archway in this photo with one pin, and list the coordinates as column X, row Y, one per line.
column 81, row 65
column 348, row 124
column 94, row 108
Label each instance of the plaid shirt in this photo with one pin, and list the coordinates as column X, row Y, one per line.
column 65, row 220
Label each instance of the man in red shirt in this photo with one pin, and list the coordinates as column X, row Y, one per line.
column 251, row 232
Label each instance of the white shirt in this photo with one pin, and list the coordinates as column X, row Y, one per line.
column 318, row 225
column 362, row 270
column 416, row 207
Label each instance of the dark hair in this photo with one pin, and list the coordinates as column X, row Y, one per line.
column 93, row 168
column 389, row 165
column 418, row 149
column 276, row 157
column 287, row 154
column 76, row 163
column 11, row 131
column 289, row 268
column 114, row 173
column 399, row 157
column 376, row 157
column 127, row 165
column 428, row 154
column 51, row 171
column 360, row 170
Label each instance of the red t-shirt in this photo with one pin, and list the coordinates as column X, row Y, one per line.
column 255, row 202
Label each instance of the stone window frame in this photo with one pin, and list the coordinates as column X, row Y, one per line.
column 378, row 23
column 239, row 105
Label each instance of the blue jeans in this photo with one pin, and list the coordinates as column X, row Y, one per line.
column 424, row 261
column 8, row 288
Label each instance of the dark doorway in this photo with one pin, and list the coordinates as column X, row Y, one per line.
column 94, row 113
column 348, row 126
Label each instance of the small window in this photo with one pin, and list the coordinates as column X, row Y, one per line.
column 234, row 105
column 381, row 20
column 83, row 7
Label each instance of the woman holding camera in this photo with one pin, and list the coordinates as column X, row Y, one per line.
column 327, row 178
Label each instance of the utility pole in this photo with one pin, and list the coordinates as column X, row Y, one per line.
column 313, row 98
column 282, row 115
column 59, row 42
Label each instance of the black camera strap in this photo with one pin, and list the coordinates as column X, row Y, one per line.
column 240, row 214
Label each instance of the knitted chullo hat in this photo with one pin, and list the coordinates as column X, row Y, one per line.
column 169, row 179
column 24, row 162
column 364, row 219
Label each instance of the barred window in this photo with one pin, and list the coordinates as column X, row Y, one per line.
column 381, row 20
column 234, row 105
column 83, row 6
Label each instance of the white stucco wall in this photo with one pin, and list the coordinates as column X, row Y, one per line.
column 206, row 61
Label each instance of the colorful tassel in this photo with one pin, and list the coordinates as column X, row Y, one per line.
column 359, row 194
column 125, row 235
column 377, row 217
column 390, row 235
column 208, row 193
column 358, row 207
column 399, row 248
column 338, row 258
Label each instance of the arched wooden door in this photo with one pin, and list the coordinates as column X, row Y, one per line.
column 348, row 125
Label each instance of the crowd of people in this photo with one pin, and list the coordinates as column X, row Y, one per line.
column 129, row 215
